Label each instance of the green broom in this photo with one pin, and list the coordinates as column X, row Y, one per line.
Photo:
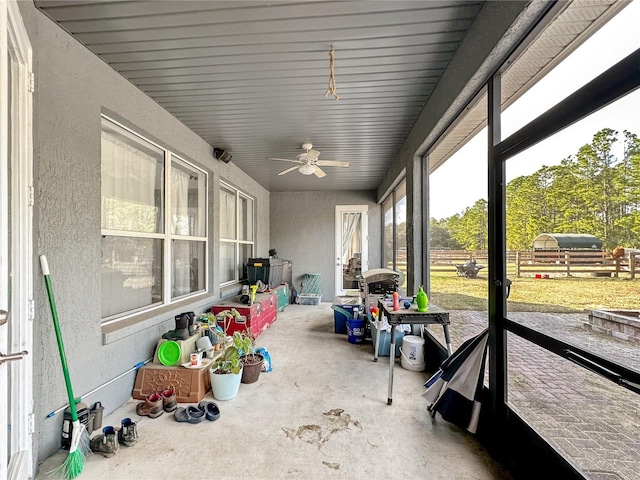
column 74, row 464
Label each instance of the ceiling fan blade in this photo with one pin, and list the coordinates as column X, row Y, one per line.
column 319, row 173
column 332, row 163
column 288, row 170
column 284, row 160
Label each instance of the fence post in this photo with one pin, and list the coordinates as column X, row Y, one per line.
column 567, row 261
column 517, row 263
column 617, row 262
column 632, row 265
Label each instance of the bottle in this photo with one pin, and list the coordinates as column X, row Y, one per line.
column 396, row 301
column 422, row 300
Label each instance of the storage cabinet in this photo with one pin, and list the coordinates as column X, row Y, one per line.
column 257, row 317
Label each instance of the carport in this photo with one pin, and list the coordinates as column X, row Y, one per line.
column 566, row 241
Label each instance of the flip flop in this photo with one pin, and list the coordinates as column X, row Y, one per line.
column 190, row 414
column 210, row 409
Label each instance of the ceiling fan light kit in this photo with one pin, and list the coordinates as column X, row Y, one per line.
column 307, row 169
column 309, row 163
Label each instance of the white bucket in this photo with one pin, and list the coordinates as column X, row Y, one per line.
column 412, row 353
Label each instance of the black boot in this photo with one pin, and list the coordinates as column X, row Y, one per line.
column 192, row 318
column 182, row 329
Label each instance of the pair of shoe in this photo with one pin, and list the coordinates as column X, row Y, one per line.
column 156, row 403
column 184, row 327
column 191, row 414
column 108, row 442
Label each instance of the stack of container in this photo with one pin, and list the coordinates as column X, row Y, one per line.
column 311, row 289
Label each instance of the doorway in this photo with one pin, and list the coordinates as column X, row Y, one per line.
column 352, row 238
column 16, row 204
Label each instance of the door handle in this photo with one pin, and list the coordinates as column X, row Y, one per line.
column 10, row 357
column 4, row 316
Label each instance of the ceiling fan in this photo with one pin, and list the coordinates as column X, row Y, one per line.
column 309, row 163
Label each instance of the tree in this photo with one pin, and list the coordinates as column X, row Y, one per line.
column 441, row 236
column 470, row 229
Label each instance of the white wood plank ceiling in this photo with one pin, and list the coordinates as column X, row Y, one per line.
column 250, row 77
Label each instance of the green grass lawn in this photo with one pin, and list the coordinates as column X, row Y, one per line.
column 556, row 294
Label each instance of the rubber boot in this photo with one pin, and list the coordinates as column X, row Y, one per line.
column 182, row 329
column 192, row 317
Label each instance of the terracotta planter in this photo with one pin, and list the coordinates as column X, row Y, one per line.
column 251, row 369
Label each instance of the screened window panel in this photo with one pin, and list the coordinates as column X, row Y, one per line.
column 228, row 262
column 187, row 200
column 387, row 236
column 131, row 274
column 187, row 267
column 401, row 227
column 246, row 252
column 227, row 213
column 245, row 210
column 132, row 182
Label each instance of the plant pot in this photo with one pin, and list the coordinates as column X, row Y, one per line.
column 251, row 368
column 225, row 386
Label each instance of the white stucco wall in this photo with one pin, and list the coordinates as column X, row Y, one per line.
column 303, row 231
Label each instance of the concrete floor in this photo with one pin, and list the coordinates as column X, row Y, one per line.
column 321, row 413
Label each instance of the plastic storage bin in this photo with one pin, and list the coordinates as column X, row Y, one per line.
column 384, row 347
column 348, row 304
column 310, row 299
column 267, row 270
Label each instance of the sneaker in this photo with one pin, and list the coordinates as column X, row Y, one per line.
column 106, row 443
column 128, row 433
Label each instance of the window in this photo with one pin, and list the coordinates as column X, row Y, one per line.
column 394, row 240
column 144, row 189
column 236, row 233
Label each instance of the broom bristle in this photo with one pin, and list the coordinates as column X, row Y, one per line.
column 78, row 451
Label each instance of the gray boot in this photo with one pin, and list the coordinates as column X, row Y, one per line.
column 106, row 443
column 128, row 433
column 182, row 329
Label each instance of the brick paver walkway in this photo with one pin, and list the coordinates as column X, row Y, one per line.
column 590, row 420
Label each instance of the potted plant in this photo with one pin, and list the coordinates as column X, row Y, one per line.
column 216, row 335
column 226, row 371
column 251, row 361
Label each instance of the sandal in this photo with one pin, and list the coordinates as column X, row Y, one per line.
column 190, row 414
column 210, row 409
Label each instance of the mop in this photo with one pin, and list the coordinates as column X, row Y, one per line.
column 74, row 464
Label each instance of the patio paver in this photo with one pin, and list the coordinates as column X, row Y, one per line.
column 586, row 417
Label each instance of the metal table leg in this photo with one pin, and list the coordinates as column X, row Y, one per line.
column 392, row 361
column 447, row 339
column 375, row 348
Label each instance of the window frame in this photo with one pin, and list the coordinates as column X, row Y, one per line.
column 166, row 234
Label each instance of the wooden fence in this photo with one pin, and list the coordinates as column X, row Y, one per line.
column 545, row 263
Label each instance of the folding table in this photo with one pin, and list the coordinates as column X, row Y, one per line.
column 433, row 316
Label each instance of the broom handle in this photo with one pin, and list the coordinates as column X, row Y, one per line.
column 56, row 324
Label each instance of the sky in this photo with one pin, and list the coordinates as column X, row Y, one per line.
column 614, row 41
